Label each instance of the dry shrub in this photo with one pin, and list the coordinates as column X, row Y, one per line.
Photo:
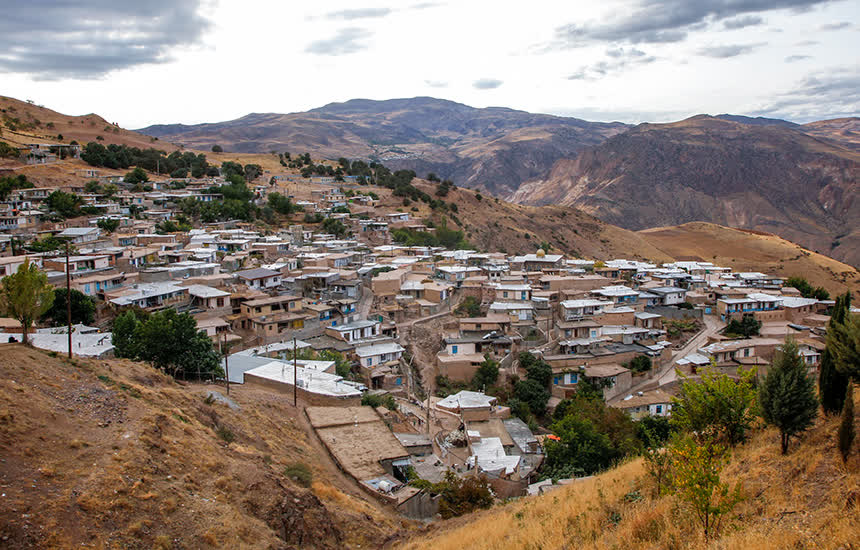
column 327, row 492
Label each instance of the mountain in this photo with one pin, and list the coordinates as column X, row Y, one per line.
column 769, row 178
column 493, row 148
column 758, row 121
column 845, row 131
column 24, row 122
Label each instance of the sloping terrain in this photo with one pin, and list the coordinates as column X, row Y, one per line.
column 495, row 225
column 765, row 177
column 845, row 131
column 745, row 250
column 493, row 148
column 22, row 122
column 113, row 454
column 806, row 499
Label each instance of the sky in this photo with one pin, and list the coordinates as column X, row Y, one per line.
column 190, row 61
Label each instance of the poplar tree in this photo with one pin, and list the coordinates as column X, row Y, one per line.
column 846, row 427
column 787, row 396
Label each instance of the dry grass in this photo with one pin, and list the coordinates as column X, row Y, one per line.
column 750, row 251
column 137, row 463
column 802, row 500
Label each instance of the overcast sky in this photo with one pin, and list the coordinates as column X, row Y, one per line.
column 163, row 61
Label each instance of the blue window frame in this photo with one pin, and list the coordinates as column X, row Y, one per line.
column 453, row 350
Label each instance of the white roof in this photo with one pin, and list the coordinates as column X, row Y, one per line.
column 489, row 454
column 466, row 400
column 569, row 304
column 792, row 301
column 85, row 341
column 203, row 291
column 379, row 349
column 309, row 379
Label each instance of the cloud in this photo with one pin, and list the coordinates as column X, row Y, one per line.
column 619, row 59
column 836, row 26
column 663, row 21
column 824, row 94
column 728, row 50
column 619, row 115
column 436, row 83
column 347, row 41
column 358, row 13
column 741, row 22
column 487, row 84
column 807, row 43
column 56, row 39
column 795, row 58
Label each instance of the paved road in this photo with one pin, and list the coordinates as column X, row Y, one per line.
column 667, row 374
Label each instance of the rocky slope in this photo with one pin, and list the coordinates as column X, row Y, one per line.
column 494, row 149
column 113, row 454
column 770, row 177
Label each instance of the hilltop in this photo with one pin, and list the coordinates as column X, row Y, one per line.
column 35, row 123
column 493, row 149
column 805, row 499
column 116, row 454
column 764, row 177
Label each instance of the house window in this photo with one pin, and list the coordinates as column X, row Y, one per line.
column 398, row 381
column 454, row 350
column 659, row 409
column 505, row 294
column 746, row 352
column 369, row 361
column 556, row 380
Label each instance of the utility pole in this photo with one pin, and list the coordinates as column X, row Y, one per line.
column 226, row 366
column 68, row 300
column 295, row 376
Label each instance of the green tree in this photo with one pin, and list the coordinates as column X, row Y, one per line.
column 170, row 341
column 217, row 149
column 843, row 337
column 486, row 375
column 83, row 308
column 640, row 363
column 583, row 449
column 787, row 396
column 469, row 307
column 138, row 175
column 746, row 327
column 845, row 435
column 26, row 295
column 807, row 290
column 534, row 394
column 539, row 371
column 696, row 468
column 108, row 224
column 463, row 495
column 716, row 407
column 123, row 335
column 67, row 205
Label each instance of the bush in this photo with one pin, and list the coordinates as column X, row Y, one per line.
column 716, row 407
column 375, row 400
column 217, row 149
column 458, row 496
column 299, row 473
column 226, row 434
column 469, row 307
column 640, row 363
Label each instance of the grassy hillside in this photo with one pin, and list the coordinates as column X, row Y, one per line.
column 807, row 499
column 752, row 251
column 115, row 454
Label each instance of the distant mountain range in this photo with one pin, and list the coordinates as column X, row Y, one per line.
column 494, row 149
column 767, row 177
column 798, row 181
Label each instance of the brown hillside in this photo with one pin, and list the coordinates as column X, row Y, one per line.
column 42, row 125
column 752, row 251
column 113, row 454
column 765, row 177
column 494, row 148
column 807, row 499
column 845, row 131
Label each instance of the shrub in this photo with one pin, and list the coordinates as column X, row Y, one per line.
column 225, row 433
column 299, row 473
